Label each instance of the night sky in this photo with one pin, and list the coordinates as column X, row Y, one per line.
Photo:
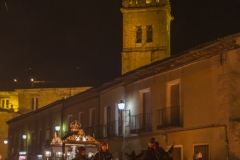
column 71, row 40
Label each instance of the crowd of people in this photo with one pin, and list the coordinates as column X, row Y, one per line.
column 102, row 154
column 153, row 152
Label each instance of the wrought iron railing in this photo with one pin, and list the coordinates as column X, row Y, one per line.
column 114, row 128
column 140, row 123
column 169, row 117
column 97, row 131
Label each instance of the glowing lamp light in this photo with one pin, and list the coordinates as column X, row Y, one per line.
column 39, row 156
column 47, row 154
column 5, row 142
column 58, row 154
column 57, row 128
column 24, row 136
column 68, row 154
column 121, row 105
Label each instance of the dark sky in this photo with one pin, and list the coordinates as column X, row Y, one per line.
column 65, row 40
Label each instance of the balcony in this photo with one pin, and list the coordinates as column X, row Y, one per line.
column 97, row 131
column 140, row 123
column 169, row 117
column 114, row 129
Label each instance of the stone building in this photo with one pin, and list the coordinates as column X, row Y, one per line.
column 27, row 98
column 189, row 100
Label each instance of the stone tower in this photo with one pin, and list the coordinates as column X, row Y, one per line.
column 146, row 32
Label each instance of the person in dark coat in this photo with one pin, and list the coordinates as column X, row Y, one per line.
column 103, row 154
column 81, row 155
column 154, row 151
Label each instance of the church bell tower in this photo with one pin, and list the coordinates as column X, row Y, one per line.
column 146, row 32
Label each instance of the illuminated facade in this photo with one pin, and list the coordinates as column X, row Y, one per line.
column 146, row 32
column 190, row 100
column 22, row 101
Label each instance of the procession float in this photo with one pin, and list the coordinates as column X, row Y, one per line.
column 66, row 147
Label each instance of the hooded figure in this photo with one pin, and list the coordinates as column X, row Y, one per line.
column 154, row 151
column 104, row 153
column 81, row 154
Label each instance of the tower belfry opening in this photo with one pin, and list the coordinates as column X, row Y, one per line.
column 146, row 32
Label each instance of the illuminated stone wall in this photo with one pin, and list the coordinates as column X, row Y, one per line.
column 143, row 14
column 45, row 96
column 8, row 100
column 230, row 107
column 5, row 116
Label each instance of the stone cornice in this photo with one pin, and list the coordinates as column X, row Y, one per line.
column 200, row 52
column 144, row 9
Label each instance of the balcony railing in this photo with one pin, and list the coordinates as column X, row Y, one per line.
column 114, row 128
column 97, row 131
column 169, row 117
column 140, row 123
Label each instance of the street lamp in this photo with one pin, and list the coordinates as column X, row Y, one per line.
column 47, row 154
column 24, row 136
column 5, row 141
column 59, row 155
column 57, row 128
column 125, row 118
column 121, row 105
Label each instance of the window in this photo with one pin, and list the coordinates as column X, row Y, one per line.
column 149, row 33
column 93, row 117
column 145, row 107
column 4, row 103
column 148, row 1
column 32, row 143
column 40, row 142
column 142, row 121
column 139, row 34
column 7, row 103
column 173, row 108
column 173, row 93
column 34, row 103
column 70, row 120
column 80, row 119
column 202, row 150
column 47, row 137
column 108, row 114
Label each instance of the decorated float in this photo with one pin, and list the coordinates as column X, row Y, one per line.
column 66, row 147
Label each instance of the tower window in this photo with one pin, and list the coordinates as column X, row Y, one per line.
column 7, row 103
column 139, row 34
column 4, row 102
column 34, row 103
column 149, row 33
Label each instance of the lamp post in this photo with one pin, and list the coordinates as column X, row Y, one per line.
column 121, row 107
column 24, row 136
column 57, row 128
